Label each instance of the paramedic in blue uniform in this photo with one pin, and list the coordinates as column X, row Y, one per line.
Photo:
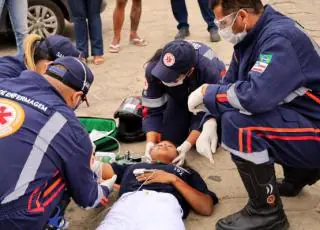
column 171, row 75
column 45, row 152
column 268, row 104
column 38, row 51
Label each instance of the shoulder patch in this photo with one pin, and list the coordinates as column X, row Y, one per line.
column 11, row 117
column 265, row 58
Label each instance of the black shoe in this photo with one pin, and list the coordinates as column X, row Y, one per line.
column 295, row 179
column 214, row 35
column 182, row 34
column 264, row 209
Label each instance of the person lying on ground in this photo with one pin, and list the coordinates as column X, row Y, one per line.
column 159, row 188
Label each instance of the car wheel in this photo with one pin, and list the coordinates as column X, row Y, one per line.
column 44, row 18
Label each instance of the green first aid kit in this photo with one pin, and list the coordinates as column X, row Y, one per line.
column 102, row 132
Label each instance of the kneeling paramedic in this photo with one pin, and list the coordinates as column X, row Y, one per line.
column 38, row 53
column 171, row 75
column 45, row 151
column 268, row 105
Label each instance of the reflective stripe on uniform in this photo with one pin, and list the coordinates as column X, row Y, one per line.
column 254, row 157
column 154, row 102
column 39, row 148
column 234, row 100
column 297, row 93
column 209, row 54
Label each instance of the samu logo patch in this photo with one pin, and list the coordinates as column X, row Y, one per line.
column 11, row 117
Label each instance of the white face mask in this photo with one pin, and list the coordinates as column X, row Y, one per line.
column 228, row 35
column 173, row 84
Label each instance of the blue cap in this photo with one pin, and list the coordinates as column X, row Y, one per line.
column 58, row 46
column 178, row 57
column 77, row 75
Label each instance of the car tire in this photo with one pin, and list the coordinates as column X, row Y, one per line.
column 45, row 18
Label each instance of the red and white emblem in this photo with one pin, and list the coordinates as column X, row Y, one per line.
column 169, row 59
column 11, row 117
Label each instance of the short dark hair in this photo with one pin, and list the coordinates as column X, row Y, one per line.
column 229, row 6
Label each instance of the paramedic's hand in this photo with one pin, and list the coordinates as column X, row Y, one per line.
column 208, row 139
column 195, row 100
column 158, row 176
column 149, row 147
column 182, row 150
column 109, row 183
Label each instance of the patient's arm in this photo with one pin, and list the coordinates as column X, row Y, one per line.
column 200, row 202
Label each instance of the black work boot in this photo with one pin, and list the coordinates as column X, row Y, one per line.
column 264, row 209
column 295, row 179
column 214, row 35
column 182, row 33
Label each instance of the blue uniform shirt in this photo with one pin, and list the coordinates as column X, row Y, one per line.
column 44, row 149
column 11, row 66
column 208, row 69
column 275, row 64
column 129, row 183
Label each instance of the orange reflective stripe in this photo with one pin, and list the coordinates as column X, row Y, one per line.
column 221, row 98
column 292, row 138
column 249, row 144
column 313, row 97
column 51, row 187
column 47, row 202
column 283, row 130
column 241, row 140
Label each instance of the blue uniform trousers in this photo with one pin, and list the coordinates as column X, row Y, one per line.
column 282, row 135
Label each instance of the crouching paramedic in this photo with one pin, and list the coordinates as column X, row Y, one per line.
column 38, row 53
column 268, row 104
column 171, row 75
column 45, row 152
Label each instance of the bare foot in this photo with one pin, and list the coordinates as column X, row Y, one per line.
column 98, row 60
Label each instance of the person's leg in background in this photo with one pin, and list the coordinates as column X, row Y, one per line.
column 95, row 30
column 135, row 20
column 118, row 19
column 208, row 16
column 180, row 13
column 18, row 11
column 79, row 18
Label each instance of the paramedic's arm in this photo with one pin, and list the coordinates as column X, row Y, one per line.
column 193, row 136
column 201, row 203
column 82, row 182
column 268, row 83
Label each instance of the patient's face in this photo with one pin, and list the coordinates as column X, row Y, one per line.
column 164, row 150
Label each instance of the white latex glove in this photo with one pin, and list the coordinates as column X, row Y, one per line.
column 195, row 101
column 182, row 150
column 110, row 182
column 149, row 147
column 208, row 139
column 96, row 167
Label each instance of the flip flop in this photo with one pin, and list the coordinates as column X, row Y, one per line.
column 114, row 48
column 138, row 42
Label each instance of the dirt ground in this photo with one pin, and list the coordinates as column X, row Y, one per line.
column 122, row 75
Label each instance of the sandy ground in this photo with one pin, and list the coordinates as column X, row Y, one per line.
column 122, row 75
